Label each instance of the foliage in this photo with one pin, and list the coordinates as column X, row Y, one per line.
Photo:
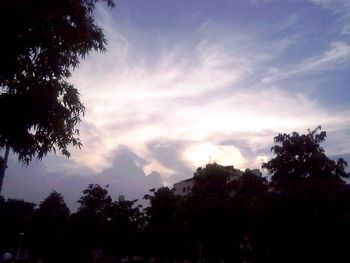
column 164, row 225
column 249, row 183
column 15, row 219
column 42, row 42
column 206, row 210
column 123, row 227
column 49, row 229
column 103, row 224
column 88, row 224
column 230, row 216
column 95, row 201
column 211, row 181
column 301, row 156
column 54, row 208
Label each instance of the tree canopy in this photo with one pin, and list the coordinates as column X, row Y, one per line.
column 301, row 156
column 95, row 200
column 227, row 216
column 48, row 232
column 42, row 42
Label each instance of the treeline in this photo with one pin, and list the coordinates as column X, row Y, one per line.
column 300, row 213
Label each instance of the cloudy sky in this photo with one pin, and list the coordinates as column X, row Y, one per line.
column 185, row 82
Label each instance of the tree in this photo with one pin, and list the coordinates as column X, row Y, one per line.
column 54, row 208
column 49, row 229
column 247, row 202
column 212, row 180
column 89, row 223
column 251, row 182
column 306, row 219
column 164, row 228
column 15, row 217
column 301, row 156
column 123, row 228
column 42, row 42
column 209, row 214
column 95, row 201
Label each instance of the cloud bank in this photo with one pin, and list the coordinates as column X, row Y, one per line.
column 209, row 81
column 195, row 94
column 124, row 177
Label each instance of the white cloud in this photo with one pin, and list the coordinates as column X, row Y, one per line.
column 323, row 3
column 337, row 56
column 338, row 6
column 199, row 154
column 171, row 103
column 196, row 94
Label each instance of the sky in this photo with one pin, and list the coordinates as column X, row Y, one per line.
column 184, row 83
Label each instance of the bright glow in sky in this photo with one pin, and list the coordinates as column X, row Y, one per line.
column 197, row 154
column 185, row 81
column 228, row 75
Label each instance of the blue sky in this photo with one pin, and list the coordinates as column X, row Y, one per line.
column 185, row 81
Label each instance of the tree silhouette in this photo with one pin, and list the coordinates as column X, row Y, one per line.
column 15, row 219
column 122, row 233
column 89, row 223
column 305, row 217
column 229, row 216
column 95, row 201
column 301, row 156
column 42, row 41
column 164, row 225
column 49, row 229
column 208, row 212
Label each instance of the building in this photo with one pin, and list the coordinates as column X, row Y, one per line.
column 184, row 187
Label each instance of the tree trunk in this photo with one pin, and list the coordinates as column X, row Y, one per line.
column 3, row 166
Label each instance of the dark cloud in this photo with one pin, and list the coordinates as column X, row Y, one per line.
column 127, row 177
column 35, row 182
column 168, row 153
column 124, row 152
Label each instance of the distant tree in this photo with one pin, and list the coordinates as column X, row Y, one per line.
column 212, row 180
column 89, row 222
column 208, row 213
column 306, row 222
column 248, row 198
column 95, row 201
column 307, row 218
column 15, row 221
column 49, row 229
column 54, row 208
column 301, row 156
column 122, row 236
column 164, row 225
column 249, row 183
column 42, row 42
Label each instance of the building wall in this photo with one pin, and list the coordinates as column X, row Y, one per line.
column 184, row 187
